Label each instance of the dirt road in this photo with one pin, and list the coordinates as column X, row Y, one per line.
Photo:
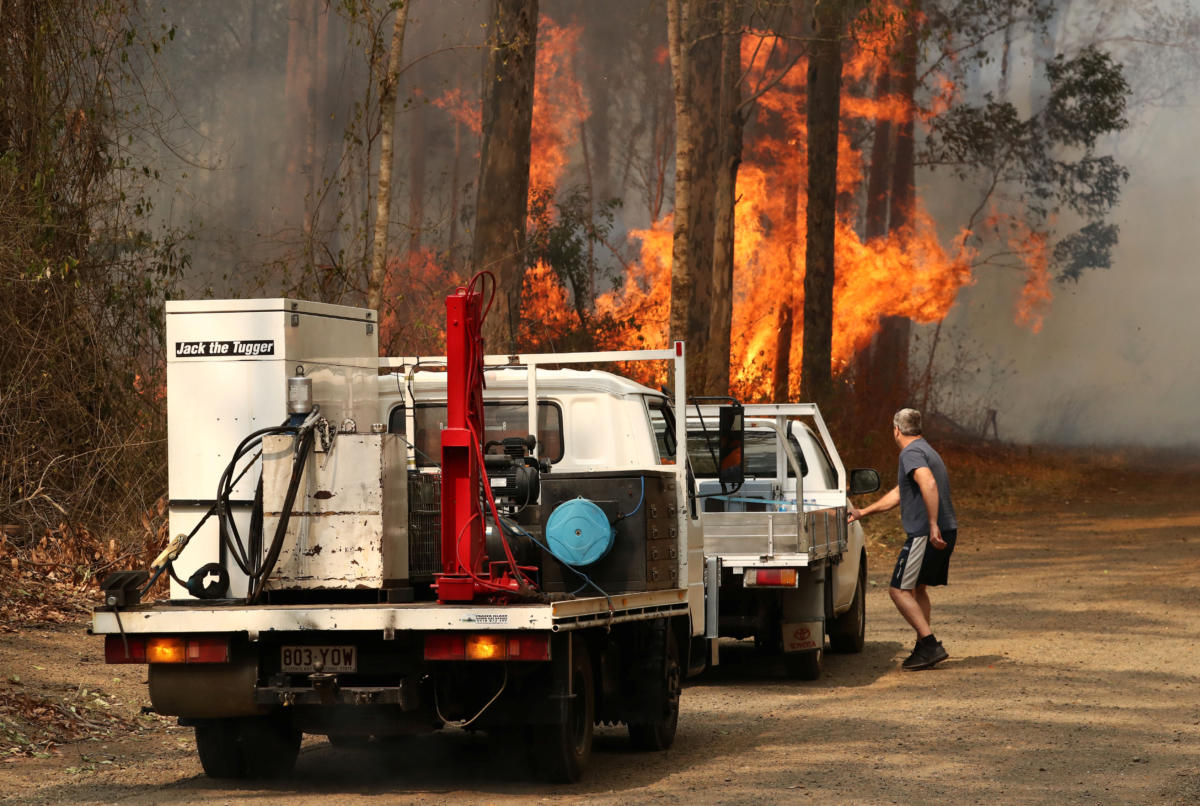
column 1074, row 677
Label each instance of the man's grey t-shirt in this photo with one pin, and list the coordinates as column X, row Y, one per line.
column 913, row 516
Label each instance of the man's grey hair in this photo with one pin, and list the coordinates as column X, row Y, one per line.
column 908, row 421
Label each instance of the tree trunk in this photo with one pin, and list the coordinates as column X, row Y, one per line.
column 889, row 351
column 383, row 198
column 824, row 113
column 679, row 31
column 879, row 175
column 503, row 194
column 706, row 166
column 417, row 157
column 731, row 122
column 786, row 317
column 455, row 179
column 874, row 384
column 297, row 95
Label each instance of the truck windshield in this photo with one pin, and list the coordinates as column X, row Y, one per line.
column 500, row 420
column 758, row 450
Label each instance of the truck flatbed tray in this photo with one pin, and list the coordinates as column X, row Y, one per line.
column 778, row 538
column 199, row 617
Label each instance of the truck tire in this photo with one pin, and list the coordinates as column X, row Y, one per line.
column 562, row 749
column 658, row 733
column 848, row 632
column 803, row 665
column 252, row 747
column 218, row 743
column 271, row 746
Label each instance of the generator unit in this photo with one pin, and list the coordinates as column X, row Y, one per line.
column 229, row 363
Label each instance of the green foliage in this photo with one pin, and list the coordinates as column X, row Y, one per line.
column 1049, row 160
column 568, row 233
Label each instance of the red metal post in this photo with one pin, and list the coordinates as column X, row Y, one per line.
column 463, row 551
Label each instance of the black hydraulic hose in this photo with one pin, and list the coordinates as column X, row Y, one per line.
column 229, row 531
column 259, row 579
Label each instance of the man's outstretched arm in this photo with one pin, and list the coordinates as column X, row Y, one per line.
column 889, row 500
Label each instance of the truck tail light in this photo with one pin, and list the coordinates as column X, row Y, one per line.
column 529, row 647
column 445, row 646
column 487, row 646
column 769, row 577
column 168, row 649
column 210, row 649
column 115, row 649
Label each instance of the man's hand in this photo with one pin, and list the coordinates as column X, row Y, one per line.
column 853, row 514
column 935, row 536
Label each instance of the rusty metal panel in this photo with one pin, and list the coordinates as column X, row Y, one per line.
column 348, row 526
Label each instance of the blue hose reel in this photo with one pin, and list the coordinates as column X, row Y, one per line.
column 578, row 532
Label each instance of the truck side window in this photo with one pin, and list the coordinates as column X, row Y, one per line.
column 662, row 422
column 396, row 420
column 824, row 467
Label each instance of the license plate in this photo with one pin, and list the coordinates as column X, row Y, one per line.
column 319, row 659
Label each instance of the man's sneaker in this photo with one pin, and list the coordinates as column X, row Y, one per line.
column 925, row 657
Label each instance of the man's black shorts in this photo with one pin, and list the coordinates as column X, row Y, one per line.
column 920, row 563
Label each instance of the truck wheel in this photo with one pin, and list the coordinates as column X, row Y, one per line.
column 803, row 665
column 218, row 743
column 270, row 745
column 562, row 749
column 848, row 632
column 659, row 733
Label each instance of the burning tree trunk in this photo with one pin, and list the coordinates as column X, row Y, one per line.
column 731, row 122
column 824, row 112
column 679, row 29
column 787, row 305
column 705, row 101
column 503, row 194
column 878, row 179
column 891, row 344
column 383, row 198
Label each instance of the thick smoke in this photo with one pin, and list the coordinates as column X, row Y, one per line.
column 1114, row 362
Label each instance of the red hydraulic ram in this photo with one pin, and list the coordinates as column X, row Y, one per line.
column 464, row 553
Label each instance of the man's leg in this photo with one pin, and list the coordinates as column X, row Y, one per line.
column 908, row 605
column 922, row 596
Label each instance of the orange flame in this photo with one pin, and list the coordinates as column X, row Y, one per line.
column 559, row 106
column 462, row 109
column 911, row 272
column 413, row 319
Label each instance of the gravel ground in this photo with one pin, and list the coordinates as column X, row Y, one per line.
column 1072, row 628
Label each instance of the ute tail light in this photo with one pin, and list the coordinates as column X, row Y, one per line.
column 487, row 646
column 165, row 649
column 770, row 578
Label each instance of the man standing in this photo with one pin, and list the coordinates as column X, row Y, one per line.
column 922, row 492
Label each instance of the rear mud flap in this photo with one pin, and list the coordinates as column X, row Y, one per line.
column 799, row 636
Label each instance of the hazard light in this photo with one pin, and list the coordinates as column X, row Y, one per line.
column 770, row 578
